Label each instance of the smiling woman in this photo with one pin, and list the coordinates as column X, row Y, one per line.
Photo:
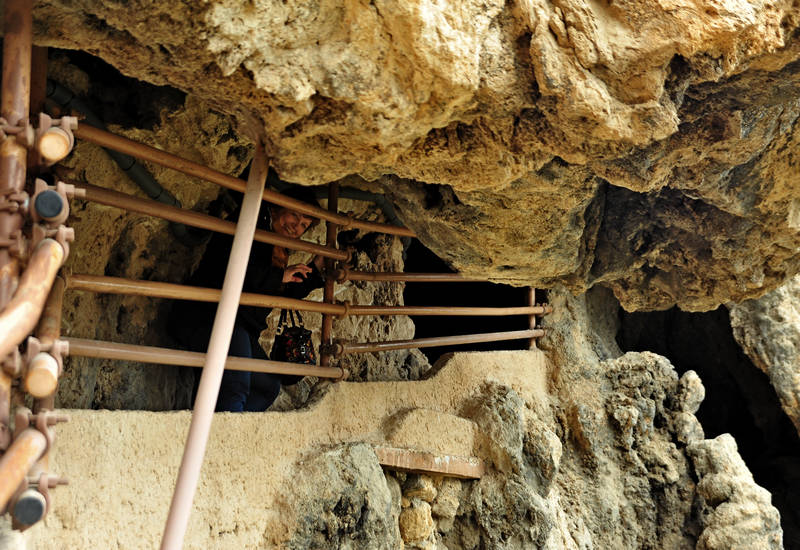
column 268, row 272
column 290, row 223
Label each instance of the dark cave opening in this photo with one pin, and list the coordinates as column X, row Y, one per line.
column 118, row 99
column 739, row 397
column 419, row 259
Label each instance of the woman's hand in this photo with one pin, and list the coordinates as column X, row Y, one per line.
column 296, row 273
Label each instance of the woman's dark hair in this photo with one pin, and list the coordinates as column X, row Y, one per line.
column 302, row 194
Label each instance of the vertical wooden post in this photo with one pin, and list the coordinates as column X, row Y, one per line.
column 5, row 410
column 14, row 107
column 330, row 284
column 38, row 95
column 533, row 320
column 214, row 365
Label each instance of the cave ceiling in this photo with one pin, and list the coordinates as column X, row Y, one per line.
column 648, row 146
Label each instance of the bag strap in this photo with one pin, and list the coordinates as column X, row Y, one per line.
column 282, row 319
column 296, row 321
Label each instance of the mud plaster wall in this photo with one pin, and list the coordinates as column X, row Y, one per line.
column 567, row 466
column 123, row 465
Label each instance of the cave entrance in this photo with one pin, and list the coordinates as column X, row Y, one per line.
column 739, row 397
column 38, row 299
column 482, row 294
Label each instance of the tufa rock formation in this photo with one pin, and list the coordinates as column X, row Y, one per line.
column 644, row 149
column 768, row 329
column 590, row 454
column 647, row 147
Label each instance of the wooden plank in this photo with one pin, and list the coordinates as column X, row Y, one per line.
column 420, row 462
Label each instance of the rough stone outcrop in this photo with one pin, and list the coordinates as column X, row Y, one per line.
column 576, row 458
column 347, row 506
column 644, row 146
column 768, row 329
column 740, row 399
column 647, row 149
column 736, row 512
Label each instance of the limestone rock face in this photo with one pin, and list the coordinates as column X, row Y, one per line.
column 347, row 507
column 768, row 329
column 729, row 499
column 648, row 423
column 649, row 147
column 416, row 522
column 582, row 451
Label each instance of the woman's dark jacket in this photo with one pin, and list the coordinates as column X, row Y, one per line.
column 262, row 277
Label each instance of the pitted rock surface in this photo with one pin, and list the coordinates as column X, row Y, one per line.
column 649, row 147
column 768, row 329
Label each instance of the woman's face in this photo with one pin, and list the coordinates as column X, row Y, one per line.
column 290, row 223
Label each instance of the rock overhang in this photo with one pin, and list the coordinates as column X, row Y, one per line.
column 647, row 148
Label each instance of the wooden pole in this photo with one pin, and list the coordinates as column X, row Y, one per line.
column 365, row 347
column 155, row 289
column 22, row 313
column 330, row 283
column 196, row 219
column 165, row 356
column 447, row 310
column 214, row 365
column 14, row 108
column 145, row 152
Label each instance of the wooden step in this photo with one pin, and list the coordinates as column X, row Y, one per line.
column 421, row 462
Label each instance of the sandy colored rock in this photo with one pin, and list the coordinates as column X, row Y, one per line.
column 687, row 428
column 445, row 506
column 420, row 487
column 416, row 523
column 691, row 392
column 646, row 147
column 739, row 513
column 768, row 329
column 347, row 505
column 642, row 148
